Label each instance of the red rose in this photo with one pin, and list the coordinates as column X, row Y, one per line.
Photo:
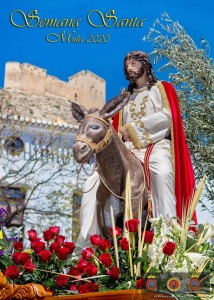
column 55, row 229
column 118, row 231
column 87, row 253
column 70, row 246
column 60, row 239
column 15, row 257
column 124, row 244
column 23, row 258
column 106, row 259
column 169, row 248
column 61, row 280
column 29, row 266
column 34, row 241
column 93, row 287
column 18, row 246
column 48, row 235
column 39, row 246
column 104, row 244
column 81, row 265
column 73, row 287
column 54, row 247
column 32, row 234
column 113, row 273
column 132, row 225
column 45, row 255
column 62, row 253
column 75, row 272
column 90, row 269
column 12, row 272
column 148, row 237
column 20, row 258
column 83, row 289
column 140, row 283
column 95, row 239
column 88, row 287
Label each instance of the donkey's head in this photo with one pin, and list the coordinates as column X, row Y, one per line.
column 95, row 131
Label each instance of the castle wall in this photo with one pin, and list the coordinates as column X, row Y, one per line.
column 91, row 89
column 32, row 79
column 13, row 75
column 85, row 87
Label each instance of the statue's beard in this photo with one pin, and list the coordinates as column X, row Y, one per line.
column 133, row 76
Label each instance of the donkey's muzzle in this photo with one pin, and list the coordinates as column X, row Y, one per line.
column 81, row 151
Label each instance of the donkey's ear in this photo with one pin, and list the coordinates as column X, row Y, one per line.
column 78, row 111
column 114, row 105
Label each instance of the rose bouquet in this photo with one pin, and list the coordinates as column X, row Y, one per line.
column 162, row 254
column 44, row 262
column 125, row 260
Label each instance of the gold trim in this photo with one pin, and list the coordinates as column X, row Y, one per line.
column 163, row 95
column 120, row 123
column 133, row 136
column 173, row 289
column 167, row 106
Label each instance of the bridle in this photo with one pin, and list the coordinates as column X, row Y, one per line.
column 96, row 148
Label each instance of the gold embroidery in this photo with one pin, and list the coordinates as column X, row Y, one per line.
column 133, row 136
column 146, row 138
column 137, row 115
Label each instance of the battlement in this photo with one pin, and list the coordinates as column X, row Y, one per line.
column 86, row 73
column 84, row 87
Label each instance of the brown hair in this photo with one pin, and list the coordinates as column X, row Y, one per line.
column 143, row 58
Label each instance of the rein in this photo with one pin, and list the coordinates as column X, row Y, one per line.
column 77, row 185
column 120, row 197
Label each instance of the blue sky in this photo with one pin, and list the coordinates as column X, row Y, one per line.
column 63, row 59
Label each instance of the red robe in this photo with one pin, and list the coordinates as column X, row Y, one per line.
column 184, row 175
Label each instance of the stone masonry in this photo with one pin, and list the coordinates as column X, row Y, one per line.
column 37, row 94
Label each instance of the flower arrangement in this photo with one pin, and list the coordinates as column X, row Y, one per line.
column 124, row 261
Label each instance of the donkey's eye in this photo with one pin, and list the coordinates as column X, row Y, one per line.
column 95, row 127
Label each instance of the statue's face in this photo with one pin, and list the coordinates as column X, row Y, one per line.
column 134, row 69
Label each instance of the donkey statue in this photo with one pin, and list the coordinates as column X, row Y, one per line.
column 114, row 160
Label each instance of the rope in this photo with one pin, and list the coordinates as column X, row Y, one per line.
column 102, row 180
column 77, row 185
column 120, row 197
column 148, row 181
column 146, row 165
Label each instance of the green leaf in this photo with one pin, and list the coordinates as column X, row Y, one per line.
column 28, row 277
column 144, row 255
column 4, row 242
column 49, row 283
column 5, row 263
column 138, row 259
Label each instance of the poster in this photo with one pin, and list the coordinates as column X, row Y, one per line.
column 97, row 37
column 65, row 37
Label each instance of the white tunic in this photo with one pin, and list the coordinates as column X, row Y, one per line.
column 148, row 121
column 148, row 117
